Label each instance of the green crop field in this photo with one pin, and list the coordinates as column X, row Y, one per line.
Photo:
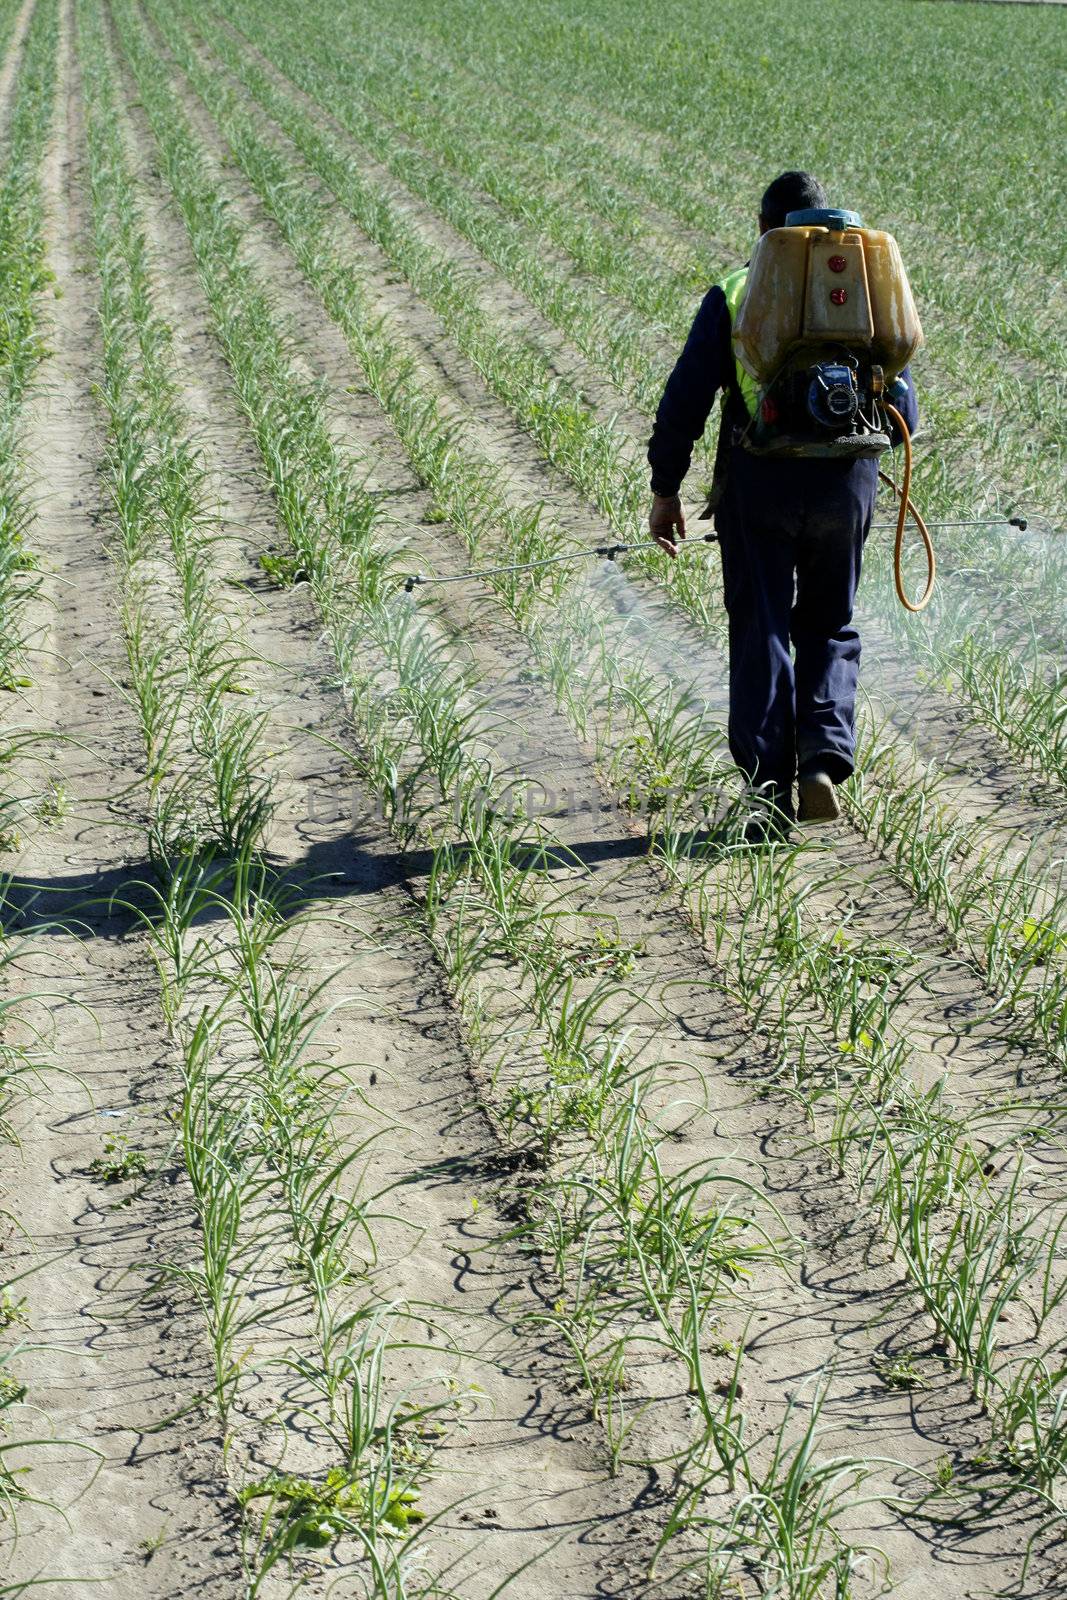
column 440, row 1157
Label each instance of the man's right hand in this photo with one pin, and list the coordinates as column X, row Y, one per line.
column 666, row 522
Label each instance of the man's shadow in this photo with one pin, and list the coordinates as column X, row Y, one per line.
column 113, row 901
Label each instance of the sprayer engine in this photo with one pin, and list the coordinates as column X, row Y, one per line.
column 822, row 408
column 832, row 398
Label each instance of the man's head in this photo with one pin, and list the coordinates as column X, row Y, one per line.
column 793, row 191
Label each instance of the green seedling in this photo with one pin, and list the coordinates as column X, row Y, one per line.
column 12, row 1392
column 311, row 1515
column 899, row 1372
column 154, row 1542
column 608, row 952
column 120, row 1160
column 284, row 570
column 13, row 1313
column 53, row 805
column 1041, row 941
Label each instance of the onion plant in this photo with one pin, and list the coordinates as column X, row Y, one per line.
column 786, row 1531
column 25, row 278
column 185, row 652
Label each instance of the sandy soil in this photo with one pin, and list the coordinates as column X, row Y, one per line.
column 152, row 1510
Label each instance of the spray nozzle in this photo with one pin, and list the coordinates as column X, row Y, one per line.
column 1017, row 522
column 409, row 583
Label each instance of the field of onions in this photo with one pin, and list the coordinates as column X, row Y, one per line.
column 439, row 1157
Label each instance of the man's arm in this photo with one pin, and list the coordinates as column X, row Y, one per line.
column 902, row 395
column 700, row 371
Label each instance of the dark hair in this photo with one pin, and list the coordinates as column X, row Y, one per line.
column 793, row 191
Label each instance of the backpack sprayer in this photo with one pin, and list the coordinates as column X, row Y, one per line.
column 823, row 326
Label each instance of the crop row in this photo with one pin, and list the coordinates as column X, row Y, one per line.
column 24, row 278
column 391, row 753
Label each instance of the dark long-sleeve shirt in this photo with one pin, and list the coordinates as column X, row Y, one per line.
column 704, row 367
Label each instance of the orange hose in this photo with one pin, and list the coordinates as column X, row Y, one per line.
column 906, row 505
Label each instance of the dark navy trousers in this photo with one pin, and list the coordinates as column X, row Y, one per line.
column 792, row 535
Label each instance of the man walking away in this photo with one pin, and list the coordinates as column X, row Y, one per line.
column 791, row 532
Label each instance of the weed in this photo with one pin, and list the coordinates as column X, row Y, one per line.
column 313, row 1514
column 899, row 1372
column 120, row 1160
column 154, row 1542
column 53, row 805
column 284, row 570
column 13, row 1313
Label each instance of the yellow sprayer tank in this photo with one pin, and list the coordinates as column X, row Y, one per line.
column 815, row 285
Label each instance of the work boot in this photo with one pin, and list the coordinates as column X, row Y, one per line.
column 818, row 798
column 769, row 817
column 766, row 829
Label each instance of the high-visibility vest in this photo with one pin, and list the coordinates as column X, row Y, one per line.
column 733, row 287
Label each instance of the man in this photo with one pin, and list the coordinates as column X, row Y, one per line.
column 791, row 532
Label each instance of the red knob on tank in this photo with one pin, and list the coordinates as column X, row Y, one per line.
column 838, row 296
column 768, row 411
column 837, row 263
